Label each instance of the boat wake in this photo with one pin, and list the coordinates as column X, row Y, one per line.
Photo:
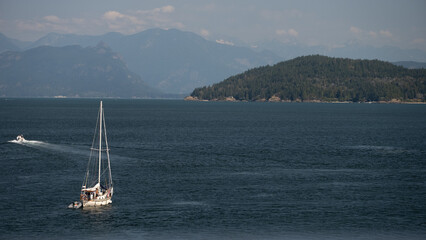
column 23, row 142
column 52, row 147
column 75, row 150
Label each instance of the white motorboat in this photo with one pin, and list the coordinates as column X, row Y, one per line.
column 20, row 138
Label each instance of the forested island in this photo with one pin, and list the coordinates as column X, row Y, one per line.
column 321, row 79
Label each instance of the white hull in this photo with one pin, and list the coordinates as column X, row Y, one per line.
column 20, row 138
column 100, row 200
column 97, row 202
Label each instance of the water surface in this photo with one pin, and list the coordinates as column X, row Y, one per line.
column 214, row 170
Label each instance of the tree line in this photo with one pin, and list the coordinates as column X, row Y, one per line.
column 321, row 78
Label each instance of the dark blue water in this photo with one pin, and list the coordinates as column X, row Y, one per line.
column 212, row 170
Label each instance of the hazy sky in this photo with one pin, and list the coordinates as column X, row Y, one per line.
column 331, row 23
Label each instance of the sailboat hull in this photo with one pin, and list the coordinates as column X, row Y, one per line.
column 97, row 202
column 91, row 199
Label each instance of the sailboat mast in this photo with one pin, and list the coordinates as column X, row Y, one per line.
column 100, row 143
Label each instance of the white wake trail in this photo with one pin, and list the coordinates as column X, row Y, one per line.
column 75, row 150
column 52, row 147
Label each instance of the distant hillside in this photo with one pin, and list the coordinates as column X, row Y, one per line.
column 173, row 61
column 7, row 44
column 177, row 62
column 411, row 64
column 61, row 40
column 319, row 78
column 70, row 71
column 352, row 50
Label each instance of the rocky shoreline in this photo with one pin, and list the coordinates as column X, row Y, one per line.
column 277, row 99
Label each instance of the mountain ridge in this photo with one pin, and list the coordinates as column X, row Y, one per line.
column 7, row 44
column 71, row 71
column 176, row 61
column 172, row 61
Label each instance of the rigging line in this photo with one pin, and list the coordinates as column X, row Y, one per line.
column 107, row 147
column 93, row 179
column 100, row 142
column 91, row 152
column 102, row 174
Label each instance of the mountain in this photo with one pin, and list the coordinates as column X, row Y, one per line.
column 349, row 50
column 10, row 44
column 320, row 78
column 176, row 61
column 171, row 60
column 387, row 53
column 7, row 44
column 71, row 71
column 61, row 40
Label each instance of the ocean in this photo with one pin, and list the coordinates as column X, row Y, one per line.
column 216, row 170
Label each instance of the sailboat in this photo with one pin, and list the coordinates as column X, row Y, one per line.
column 97, row 188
